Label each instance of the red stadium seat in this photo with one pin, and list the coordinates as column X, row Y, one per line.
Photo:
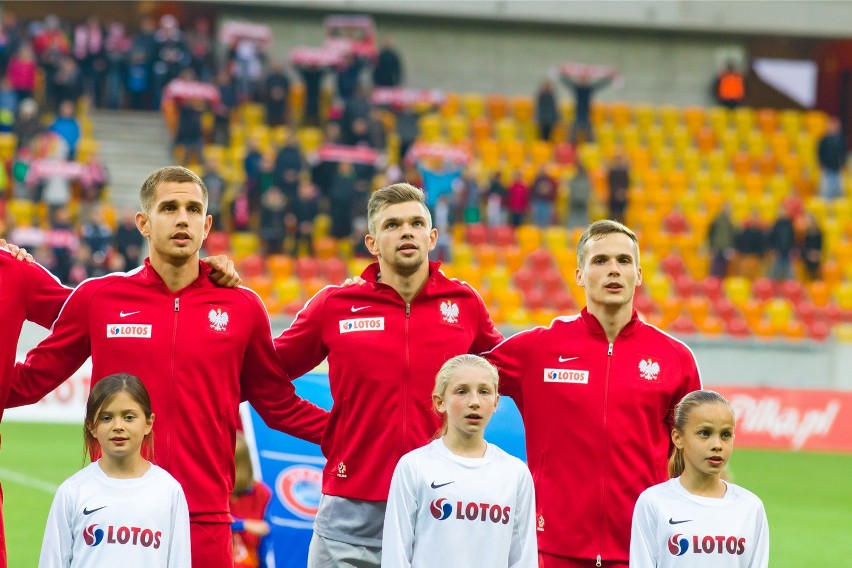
column 217, row 242
column 502, row 235
column 563, row 302
column 818, row 331
column 335, row 270
column 712, row 288
column 737, row 327
column 683, row 324
column 534, row 299
column 763, row 289
column 476, row 234
column 306, row 268
column 540, row 260
column 525, row 279
column 672, row 265
column 252, row 266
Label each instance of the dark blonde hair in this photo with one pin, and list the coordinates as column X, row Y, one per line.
column 102, row 394
column 599, row 230
column 177, row 174
column 391, row 195
column 452, row 366
column 243, row 469
column 682, row 412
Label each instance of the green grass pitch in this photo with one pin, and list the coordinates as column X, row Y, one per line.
column 808, row 496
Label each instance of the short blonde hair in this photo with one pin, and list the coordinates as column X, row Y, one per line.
column 391, row 195
column 178, row 174
column 599, row 230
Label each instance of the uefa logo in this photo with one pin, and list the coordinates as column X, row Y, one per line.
column 299, row 488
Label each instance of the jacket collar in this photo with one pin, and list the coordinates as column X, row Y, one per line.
column 595, row 327
column 149, row 274
column 372, row 274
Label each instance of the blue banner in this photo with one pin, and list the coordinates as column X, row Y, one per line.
column 292, row 468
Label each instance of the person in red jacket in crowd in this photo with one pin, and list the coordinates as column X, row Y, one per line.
column 199, row 349
column 385, row 341
column 596, row 392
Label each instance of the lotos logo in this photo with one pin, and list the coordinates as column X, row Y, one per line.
column 135, row 536
column 362, row 324
column 440, row 509
column 566, row 376
column 299, row 488
column 678, row 545
column 129, row 330
column 91, row 536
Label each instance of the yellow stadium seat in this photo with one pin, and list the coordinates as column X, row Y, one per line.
column 645, row 116
column 737, row 289
column 791, row 123
column 244, row 244
column 694, row 119
column 669, row 118
column 505, row 130
column 473, row 104
column 523, row 109
column 450, row 106
column 430, row 127
column 310, row 139
column 457, row 129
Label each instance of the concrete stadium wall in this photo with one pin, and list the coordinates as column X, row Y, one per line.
column 722, row 362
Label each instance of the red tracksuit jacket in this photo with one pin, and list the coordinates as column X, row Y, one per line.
column 383, row 355
column 199, row 351
column 598, row 418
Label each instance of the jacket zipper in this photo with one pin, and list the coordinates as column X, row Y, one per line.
column 405, row 379
column 605, row 443
column 172, row 378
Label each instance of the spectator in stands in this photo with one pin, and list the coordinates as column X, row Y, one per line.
column 496, row 213
column 341, row 199
column 199, row 44
column 729, row 87
column 171, row 55
column 224, row 108
column 832, row 152
column 751, row 246
column 518, row 199
column 288, row 165
column 51, row 45
column 67, row 82
column 388, row 70
column 546, row 110
column 356, row 109
column 27, row 124
column 89, row 42
column 304, row 212
column 67, row 127
column 241, row 210
column 445, row 213
column 8, row 105
column 128, row 241
column 273, row 207
column 246, row 69
column 811, row 249
column 139, row 82
column 584, row 87
column 438, row 179
column 9, row 39
column 215, row 191
column 470, row 200
column 21, row 72
column 348, row 73
column 407, row 128
column 618, row 180
column 543, row 198
column 97, row 235
column 781, row 242
column 722, row 240
column 63, row 242
column 312, row 78
column 579, row 195
column 116, row 48
column 277, row 95
column 189, row 136
column 144, row 49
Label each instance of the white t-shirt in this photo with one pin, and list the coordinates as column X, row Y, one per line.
column 674, row 528
column 449, row 511
column 98, row 521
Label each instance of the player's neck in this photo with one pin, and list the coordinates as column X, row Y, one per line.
column 465, row 446
column 612, row 318
column 703, row 484
column 126, row 467
column 176, row 274
column 406, row 285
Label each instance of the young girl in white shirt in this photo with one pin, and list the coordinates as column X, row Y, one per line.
column 460, row 501
column 120, row 510
column 696, row 519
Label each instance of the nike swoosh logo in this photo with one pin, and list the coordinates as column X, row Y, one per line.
column 564, row 359
column 672, row 522
column 89, row 512
column 354, row 309
column 436, row 486
column 125, row 314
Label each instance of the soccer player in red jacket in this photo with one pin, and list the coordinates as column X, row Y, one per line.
column 385, row 341
column 596, row 392
column 198, row 348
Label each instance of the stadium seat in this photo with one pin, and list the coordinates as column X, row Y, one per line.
column 335, row 270
column 280, row 266
column 497, row 106
column 244, row 244
column 473, row 105
column 513, row 257
column 523, row 109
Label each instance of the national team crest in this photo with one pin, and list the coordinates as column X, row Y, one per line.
column 450, row 311
column 540, row 526
column 218, row 319
column 341, row 470
column 649, row 369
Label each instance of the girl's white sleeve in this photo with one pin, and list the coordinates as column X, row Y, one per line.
column 643, row 551
column 56, row 548
column 523, row 552
column 400, row 517
column 179, row 547
column 761, row 551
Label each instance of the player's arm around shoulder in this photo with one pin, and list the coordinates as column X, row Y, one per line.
column 512, row 358
column 301, row 347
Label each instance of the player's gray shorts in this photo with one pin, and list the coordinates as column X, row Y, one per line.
column 327, row 553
